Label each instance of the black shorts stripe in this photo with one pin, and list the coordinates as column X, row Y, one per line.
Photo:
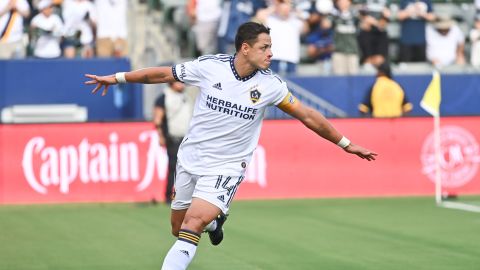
column 219, row 180
column 240, row 179
column 232, row 195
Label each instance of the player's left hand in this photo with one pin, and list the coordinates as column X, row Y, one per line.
column 361, row 152
column 100, row 81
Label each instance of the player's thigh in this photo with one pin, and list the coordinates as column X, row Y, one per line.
column 184, row 187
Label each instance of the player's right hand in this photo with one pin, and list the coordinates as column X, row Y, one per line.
column 361, row 152
column 100, row 81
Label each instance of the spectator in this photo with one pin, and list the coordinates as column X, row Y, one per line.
column 80, row 18
column 285, row 30
column 235, row 13
column 445, row 43
column 385, row 98
column 48, row 28
column 56, row 3
column 475, row 39
column 171, row 116
column 319, row 10
column 205, row 16
column 12, row 14
column 413, row 15
column 320, row 44
column 112, row 28
column 345, row 59
column 373, row 37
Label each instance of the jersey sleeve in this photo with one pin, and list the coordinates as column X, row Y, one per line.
column 188, row 73
column 281, row 91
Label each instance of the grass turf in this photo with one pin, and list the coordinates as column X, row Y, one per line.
column 381, row 233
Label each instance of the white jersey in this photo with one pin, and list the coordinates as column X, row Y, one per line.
column 228, row 114
column 48, row 45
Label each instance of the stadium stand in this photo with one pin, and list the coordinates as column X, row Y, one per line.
column 159, row 33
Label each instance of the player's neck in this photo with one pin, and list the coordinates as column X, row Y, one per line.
column 243, row 67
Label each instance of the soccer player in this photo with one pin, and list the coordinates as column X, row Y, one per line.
column 224, row 131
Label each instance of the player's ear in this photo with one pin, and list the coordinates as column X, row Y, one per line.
column 244, row 48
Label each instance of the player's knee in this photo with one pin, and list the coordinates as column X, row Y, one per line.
column 194, row 223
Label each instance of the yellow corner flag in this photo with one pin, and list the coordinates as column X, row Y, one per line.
column 432, row 97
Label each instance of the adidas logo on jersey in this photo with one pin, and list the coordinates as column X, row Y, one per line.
column 217, row 86
column 221, row 198
column 185, row 252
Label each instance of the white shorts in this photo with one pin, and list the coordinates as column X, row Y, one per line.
column 218, row 190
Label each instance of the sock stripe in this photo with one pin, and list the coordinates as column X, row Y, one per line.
column 190, row 233
column 194, row 237
column 189, row 237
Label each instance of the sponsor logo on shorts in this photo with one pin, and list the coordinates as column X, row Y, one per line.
column 221, row 198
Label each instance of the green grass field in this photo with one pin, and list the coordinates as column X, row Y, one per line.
column 386, row 233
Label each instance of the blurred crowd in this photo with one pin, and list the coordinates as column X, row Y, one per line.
column 341, row 35
column 63, row 28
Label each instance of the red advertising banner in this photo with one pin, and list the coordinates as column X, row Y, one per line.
column 95, row 162
column 104, row 162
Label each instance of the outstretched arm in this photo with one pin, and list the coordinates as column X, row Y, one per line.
column 146, row 75
column 315, row 121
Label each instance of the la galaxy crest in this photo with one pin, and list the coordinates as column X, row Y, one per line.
column 255, row 94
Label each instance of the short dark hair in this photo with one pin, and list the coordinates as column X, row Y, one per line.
column 248, row 32
column 385, row 69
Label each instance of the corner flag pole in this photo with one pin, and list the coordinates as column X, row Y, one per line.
column 431, row 103
column 437, row 145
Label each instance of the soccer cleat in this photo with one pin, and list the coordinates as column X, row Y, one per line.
column 216, row 236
